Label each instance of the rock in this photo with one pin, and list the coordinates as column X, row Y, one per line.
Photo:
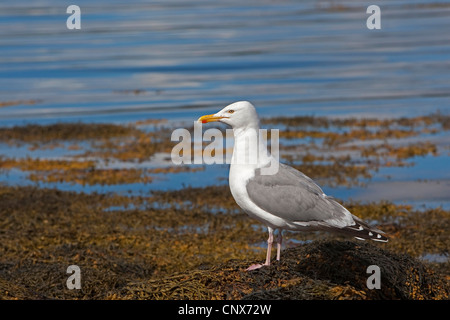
column 318, row 270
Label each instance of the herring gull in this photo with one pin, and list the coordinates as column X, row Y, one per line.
column 285, row 199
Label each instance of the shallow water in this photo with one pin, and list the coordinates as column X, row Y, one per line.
column 180, row 59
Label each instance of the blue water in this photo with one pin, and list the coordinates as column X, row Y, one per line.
column 188, row 57
column 178, row 60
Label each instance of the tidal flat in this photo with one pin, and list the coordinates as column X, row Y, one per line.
column 107, row 198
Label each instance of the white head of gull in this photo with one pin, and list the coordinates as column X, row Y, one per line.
column 286, row 199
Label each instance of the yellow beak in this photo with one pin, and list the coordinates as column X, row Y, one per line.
column 209, row 118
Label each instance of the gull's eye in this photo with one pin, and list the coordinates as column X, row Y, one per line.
column 230, row 111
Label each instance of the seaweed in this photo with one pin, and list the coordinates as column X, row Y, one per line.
column 141, row 250
column 195, row 243
column 319, row 270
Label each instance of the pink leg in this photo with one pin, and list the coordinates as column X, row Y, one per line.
column 279, row 241
column 269, row 248
column 269, row 252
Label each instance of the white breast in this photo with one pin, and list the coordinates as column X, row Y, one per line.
column 240, row 174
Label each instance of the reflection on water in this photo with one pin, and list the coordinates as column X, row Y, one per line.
column 181, row 59
column 137, row 59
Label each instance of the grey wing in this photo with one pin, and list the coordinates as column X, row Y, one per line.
column 291, row 195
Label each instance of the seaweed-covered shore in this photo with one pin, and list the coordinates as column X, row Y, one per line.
column 195, row 243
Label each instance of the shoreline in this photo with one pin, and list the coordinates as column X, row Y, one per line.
column 131, row 238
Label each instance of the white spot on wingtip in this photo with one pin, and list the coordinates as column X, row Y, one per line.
column 370, row 233
column 378, row 236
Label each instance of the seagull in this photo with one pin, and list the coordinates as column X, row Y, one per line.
column 284, row 198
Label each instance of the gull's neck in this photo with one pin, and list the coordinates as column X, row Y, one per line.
column 250, row 149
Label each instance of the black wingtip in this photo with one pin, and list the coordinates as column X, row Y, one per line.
column 379, row 238
column 361, row 232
